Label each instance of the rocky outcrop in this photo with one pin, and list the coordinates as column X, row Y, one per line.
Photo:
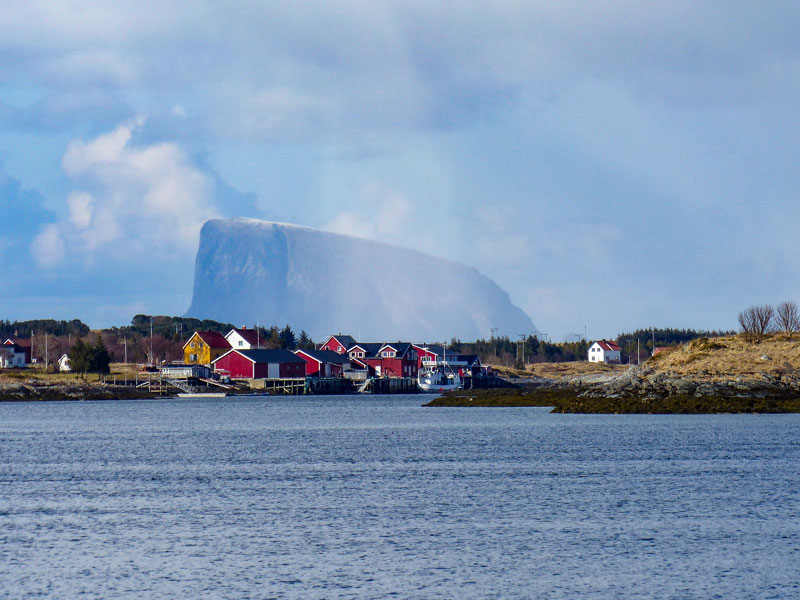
column 640, row 391
column 37, row 390
column 248, row 271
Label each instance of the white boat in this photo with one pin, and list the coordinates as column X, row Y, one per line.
column 439, row 378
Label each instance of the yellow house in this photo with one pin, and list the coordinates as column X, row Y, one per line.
column 203, row 347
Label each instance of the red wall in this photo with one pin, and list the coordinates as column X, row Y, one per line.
column 333, row 345
column 236, row 365
column 242, row 368
column 312, row 366
column 394, row 366
column 293, row 370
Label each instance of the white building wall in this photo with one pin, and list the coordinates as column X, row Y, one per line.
column 237, row 341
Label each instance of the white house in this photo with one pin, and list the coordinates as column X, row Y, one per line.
column 605, row 351
column 244, row 339
column 12, row 356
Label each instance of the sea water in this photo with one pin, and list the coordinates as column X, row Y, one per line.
column 378, row 497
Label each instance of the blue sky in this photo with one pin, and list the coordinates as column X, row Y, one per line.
column 612, row 165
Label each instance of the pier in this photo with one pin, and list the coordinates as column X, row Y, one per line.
column 335, row 385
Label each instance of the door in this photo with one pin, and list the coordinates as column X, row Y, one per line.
column 274, row 370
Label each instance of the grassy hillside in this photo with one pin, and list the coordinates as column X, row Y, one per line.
column 728, row 357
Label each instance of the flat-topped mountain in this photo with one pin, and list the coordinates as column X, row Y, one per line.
column 249, row 270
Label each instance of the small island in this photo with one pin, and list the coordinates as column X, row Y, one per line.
column 731, row 374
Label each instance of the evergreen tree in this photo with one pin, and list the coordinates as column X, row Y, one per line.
column 287, row 339
column 79, row 357
column 100, row 358
column 304, row 342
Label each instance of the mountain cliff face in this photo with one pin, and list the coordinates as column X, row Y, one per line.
column 249, row 270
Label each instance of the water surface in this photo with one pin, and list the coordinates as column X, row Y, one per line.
column 343, row 497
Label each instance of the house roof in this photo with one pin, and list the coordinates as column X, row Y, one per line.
column 370, row 349
column 276, row 355
column 399, row 347
column 213, row 339
column 345, row 340
column 436, row 349
column 470, row 359
column 325, row 356
column 248, row 335
column 608, row 346
column 21, row 342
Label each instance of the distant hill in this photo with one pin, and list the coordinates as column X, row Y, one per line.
column 248, row 270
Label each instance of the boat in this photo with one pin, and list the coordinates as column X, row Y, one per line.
column 439, row 378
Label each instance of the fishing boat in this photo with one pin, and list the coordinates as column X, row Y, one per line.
column 439, row 378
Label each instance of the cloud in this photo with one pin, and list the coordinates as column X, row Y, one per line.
column 268, row 70
column 378, row 213
column 136, row 200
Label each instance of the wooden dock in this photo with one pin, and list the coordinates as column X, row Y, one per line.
column 335, row 385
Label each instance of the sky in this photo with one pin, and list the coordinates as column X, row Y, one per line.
column 613, row 165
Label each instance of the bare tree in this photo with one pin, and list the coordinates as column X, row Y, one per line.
column 787, row 318
column 756, row 321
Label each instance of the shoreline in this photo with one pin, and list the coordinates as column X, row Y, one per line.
column 640, row 392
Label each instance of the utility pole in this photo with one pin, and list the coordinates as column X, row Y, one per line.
column 125, row 344
column 521, row 343
column 152, row 356
column 46, row 357
column 638, row 359
column 584, row 333
column 494, row 343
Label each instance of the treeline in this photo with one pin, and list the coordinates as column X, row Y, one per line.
column 134, row 343
column 530, row 350
column 25, row 329
column 169, row 334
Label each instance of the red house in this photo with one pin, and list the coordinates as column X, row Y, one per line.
column 260, row 364
column 395, row 360
column 338, row 343
column 323, row 363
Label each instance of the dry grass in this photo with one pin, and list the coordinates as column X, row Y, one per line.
column 561, row 370
column 734, row 356
column 118, row 370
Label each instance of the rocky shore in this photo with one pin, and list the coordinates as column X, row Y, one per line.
column 642, row 391
column 38, row 390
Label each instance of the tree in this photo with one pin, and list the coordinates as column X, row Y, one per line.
column 287, row 339
column 304, row 342
column 787, row 318
column 99, row 358
column 79, row 357
column 756, row 321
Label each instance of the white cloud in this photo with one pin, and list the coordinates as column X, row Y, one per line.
column 80, row 206
column 378, row 213
column 147, row 201
column 48, row 246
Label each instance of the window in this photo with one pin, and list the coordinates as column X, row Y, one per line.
column 341, row 349
column 241, row 343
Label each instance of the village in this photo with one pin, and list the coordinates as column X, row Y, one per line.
column 340, row 364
